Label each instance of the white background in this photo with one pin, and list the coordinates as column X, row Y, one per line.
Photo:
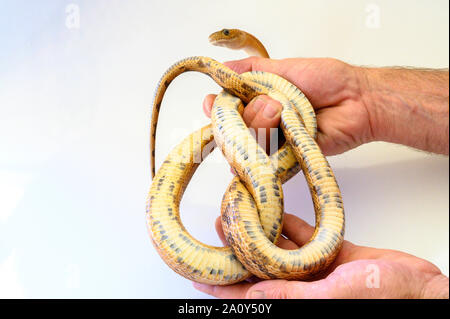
column 74, row 120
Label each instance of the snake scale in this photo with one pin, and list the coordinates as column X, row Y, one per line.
column 252, row 207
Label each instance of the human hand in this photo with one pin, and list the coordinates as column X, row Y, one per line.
column 332, row 87
column 262, row 113
column 356, row 105
column 344, row 122
column 357, row 272
column 355, row 269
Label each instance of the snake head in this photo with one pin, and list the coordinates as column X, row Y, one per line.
column 230, row 38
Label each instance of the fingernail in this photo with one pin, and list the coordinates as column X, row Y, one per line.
column 270, row 111
column 258, row 103
column 257, row 294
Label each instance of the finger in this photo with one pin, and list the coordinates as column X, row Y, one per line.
column 282, row 242
column 243, row 65
column 273, row 289
column 351, row 252
column 236, row 291
column 267, row 289
column 327, row 144
column 300, row 232
column 261, row 115
column 253, row 279
column 252, row 108
column 328, row 134
column 254, row 64
column 266, row 122
column 208, row 103
column 219, row 230
column 348, row 281
column 286, row 244
column 296, row 229
column 262, row 112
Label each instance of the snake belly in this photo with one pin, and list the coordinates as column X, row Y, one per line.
column 218, row 265
column 254, row 245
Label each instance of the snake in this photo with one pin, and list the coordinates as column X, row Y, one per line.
column 252, row 208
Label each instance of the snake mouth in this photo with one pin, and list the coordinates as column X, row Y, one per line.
column 218, row 42
column 214, row 40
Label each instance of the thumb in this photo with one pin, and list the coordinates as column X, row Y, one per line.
column 262, row 112
column 268, row 289
column 263, row 115
column 274, row 289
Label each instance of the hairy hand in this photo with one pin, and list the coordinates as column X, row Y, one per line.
column 344, row 122
column 333, row 89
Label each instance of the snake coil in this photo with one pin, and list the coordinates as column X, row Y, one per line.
column 252, row 207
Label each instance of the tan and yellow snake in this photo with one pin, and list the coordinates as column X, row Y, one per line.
column 252, row 207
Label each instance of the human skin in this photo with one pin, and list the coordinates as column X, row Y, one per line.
column 357, row 272
column 357, row 105
column 354, row 105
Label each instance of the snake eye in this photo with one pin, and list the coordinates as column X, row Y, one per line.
column 226, row 31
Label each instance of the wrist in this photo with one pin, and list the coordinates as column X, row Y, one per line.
column 407, row 106
column 381, row 121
